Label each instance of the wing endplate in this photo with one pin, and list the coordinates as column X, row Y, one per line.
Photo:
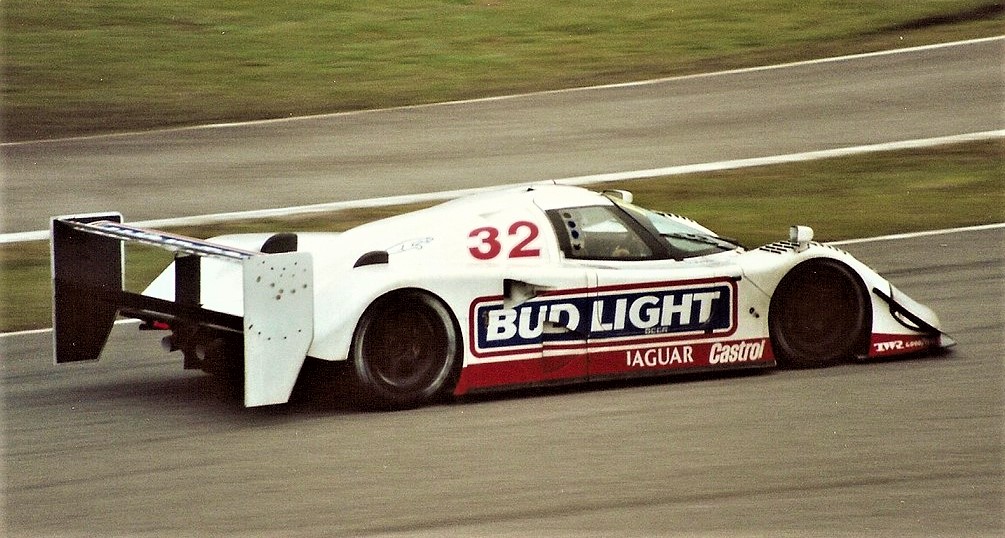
column 86, row 276
column 277, row 325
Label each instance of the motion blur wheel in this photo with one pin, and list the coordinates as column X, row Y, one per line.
column 820, row 314
column 405, row 350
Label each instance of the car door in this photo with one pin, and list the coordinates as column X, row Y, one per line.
column 533, row 331
column 650, row 305
column 662, row 315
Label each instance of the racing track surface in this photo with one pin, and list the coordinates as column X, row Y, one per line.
column 866, row 100
column 134, row 445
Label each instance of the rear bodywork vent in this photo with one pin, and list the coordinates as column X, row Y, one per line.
column 281, row 242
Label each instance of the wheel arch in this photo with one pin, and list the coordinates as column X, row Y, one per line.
column 341, row 306
column 391, row 293
column 381, row 386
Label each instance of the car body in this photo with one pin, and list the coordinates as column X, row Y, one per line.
column 513, row 287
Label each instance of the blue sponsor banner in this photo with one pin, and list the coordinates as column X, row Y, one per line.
column 624, row 313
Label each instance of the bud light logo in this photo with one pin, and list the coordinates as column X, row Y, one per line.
column 615, row 314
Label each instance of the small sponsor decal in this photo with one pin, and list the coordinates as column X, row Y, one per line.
column 411, row 244
column 896, row 344
column 631, row 361
column 724, row 354
column 659, row 356
column 727, row 353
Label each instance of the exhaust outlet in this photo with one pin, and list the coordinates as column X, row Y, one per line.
column 169, row 344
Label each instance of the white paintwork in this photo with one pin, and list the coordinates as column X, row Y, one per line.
column 463, row 252
column 278, row 324
column 429, row 250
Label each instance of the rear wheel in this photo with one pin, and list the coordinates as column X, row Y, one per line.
column 820, row 314
column 405, row 350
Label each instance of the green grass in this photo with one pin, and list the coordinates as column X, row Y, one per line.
column 844, row 198
column 850, row 197
column 77, row 67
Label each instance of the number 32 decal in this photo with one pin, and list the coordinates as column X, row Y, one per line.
column 490, row 246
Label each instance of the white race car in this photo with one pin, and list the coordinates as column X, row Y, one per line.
column 524, row 286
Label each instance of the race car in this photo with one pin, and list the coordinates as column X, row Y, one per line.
column 516, row 287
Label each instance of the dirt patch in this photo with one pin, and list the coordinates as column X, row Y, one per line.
column 980, row 13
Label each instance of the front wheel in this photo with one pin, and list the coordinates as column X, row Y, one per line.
column 820, row 313
column 405, row 350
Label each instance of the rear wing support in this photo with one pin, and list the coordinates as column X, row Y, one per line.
column 88, row 261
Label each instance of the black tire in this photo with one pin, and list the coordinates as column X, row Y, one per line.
column 820, row 314
column 405, row 351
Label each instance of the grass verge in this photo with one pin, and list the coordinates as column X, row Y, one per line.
column 862, row 196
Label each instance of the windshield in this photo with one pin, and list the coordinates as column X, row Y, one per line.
column 684, row 240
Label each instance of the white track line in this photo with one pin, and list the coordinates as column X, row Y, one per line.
column 199, row 220
column 912, row 235
column 818, row 61
column 927, row 233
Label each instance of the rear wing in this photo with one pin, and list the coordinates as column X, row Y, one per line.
column 276, row 326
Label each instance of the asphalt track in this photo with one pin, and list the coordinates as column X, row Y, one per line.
column 812, row 106
column 133, row 445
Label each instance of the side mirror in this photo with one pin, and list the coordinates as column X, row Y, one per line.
column 801, row 235
column 626, row 196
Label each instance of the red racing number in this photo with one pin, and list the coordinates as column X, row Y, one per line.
column 489, row 246
column 521, row 250
column 489, row 240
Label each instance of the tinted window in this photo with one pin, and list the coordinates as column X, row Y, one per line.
column 599, row 233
